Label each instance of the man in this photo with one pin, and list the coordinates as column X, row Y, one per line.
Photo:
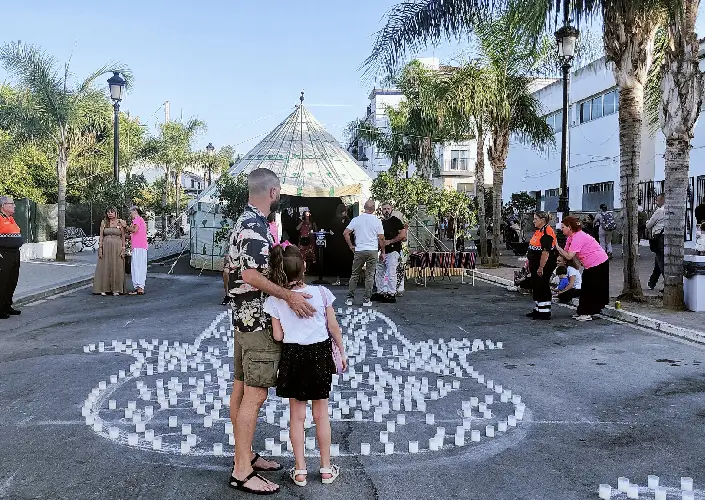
column 606, row 226
column 256, row 352
column 10, row 243
column 138, row 238
column 369, row 238
column 386, row 278
column 656, row 225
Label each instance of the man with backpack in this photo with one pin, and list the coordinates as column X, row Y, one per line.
column 606, row 226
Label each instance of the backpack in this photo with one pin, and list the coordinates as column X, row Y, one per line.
column 608, row 222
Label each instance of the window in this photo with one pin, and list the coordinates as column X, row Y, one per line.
column 193, row 184
column 459, row 159
column 555, row 121
column 611, row 103
column 599, row 187
column 596, row 111
column 552, row 192
column 584, row 111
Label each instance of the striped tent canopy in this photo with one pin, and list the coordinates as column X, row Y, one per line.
column 308, row 160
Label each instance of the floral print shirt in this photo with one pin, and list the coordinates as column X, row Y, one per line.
column 250, row 245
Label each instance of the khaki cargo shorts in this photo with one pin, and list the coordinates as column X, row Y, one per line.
column 257, row 357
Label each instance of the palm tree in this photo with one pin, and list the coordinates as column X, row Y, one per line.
column 172, row 149
column 52, row 109
column 495, row 95
column 674, row 98
column 628, row 37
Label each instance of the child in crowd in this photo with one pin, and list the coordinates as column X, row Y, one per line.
column 306, row 366
column 570, row 281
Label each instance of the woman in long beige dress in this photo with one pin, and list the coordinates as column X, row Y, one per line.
column 110, row 271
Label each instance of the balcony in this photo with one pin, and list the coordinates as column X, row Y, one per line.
column 458, row 167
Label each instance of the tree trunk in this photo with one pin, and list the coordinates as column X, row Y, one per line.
column 681, row 89
column 480, row 195
column 165, row 198
column 177, row 187
column 631, row 111
column 677, row 159
column 61, row 169
column 497, row 182
column 426, row 151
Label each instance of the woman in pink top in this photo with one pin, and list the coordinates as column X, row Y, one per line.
column 595, row 293
column 138, row 237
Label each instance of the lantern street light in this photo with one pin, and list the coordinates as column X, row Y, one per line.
column 211, row 153
column 566, row 39
column 116, row 83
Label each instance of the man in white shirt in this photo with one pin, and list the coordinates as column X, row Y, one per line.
column 369, row 238
column 656, row 225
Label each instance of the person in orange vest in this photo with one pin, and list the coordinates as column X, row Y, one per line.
column 542, row 257
column 10, row 243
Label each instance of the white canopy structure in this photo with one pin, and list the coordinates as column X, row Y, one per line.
column 309, row 162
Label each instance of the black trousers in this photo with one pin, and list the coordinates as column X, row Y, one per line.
column 595, row 292
column 541, row 285
column 568, row 295
column 9, row 274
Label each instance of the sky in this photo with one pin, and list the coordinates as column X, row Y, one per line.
column 237, row 65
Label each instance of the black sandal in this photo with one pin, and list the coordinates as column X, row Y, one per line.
column 240, row 485
column 262, row 469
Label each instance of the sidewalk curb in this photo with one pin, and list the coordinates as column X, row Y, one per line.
column 66, row 286
column 621, row 315
column 70, row 285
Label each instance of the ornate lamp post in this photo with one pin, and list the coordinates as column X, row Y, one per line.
column 211, row 153
column 116, row 83
column 566, row 38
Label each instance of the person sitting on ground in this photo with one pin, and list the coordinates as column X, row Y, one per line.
column 571, row 281
column 306, row 366
column 562, row 274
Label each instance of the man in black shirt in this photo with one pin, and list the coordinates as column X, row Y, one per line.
column 386, row 277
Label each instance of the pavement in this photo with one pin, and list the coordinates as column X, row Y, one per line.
column 42, row 278
column 652, row 308
column 602, row 399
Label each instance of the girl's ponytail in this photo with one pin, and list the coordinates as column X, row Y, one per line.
column 276, row 262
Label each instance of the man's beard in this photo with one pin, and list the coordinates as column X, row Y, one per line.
column 274, row 205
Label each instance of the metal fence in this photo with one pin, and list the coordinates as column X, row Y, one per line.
column 39, row 221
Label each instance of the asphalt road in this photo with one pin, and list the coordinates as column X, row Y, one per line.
column 603, row 400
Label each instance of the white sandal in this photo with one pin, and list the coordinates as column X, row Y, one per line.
column 293, row 472
column 333, row 470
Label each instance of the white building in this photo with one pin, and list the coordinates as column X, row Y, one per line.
column 593, row 174
column 456, row 160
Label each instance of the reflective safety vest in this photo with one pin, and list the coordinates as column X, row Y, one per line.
column 10, row 235
column 535, row 242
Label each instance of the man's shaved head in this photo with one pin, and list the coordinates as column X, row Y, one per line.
column 261, row 180
column 370, row 206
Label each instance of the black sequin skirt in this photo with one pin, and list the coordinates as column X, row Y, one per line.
column 305, row 371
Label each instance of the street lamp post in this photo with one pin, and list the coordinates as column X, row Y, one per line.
column 211, row 152
column 116, row 84
column 566, row 38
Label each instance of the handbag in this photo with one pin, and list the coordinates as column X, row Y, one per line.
column 335, row 351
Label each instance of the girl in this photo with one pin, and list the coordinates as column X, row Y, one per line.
column 306, row 366
column 575, row 280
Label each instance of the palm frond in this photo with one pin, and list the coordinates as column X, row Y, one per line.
column 652, row 92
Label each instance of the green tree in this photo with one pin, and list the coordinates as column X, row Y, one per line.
column 674, row 99
column 233, row 194
column 629, row 29
column 172, row 150
column 50, row 108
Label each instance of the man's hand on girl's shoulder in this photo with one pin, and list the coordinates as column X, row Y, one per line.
column 298, row 302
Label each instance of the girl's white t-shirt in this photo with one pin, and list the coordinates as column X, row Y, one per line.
column 578, row 277
column 303, row 331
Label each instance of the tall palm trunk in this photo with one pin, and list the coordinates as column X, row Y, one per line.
column 426, row 152
column 61, row 169
column 497, row 182
column 631, row 112
column 165, row 198
column 629, row 34
column 677, row 159
column 682, row 89
column 480, row 194
column 498, row 152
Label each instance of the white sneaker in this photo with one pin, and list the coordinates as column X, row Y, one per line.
column 349, row 302
column 367, row 304
column 584, row 317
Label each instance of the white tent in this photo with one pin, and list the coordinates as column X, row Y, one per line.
column 309, row 162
